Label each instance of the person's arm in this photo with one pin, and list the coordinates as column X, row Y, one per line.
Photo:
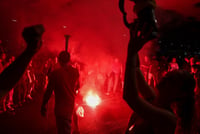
column 47, row 96
column 11, row 75
column 78, row 85
column 130, row 94
column 146, row 91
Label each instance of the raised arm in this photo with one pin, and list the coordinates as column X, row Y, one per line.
column 146, row 91
column 11, row 75
column 142, row 107
column 47, row 94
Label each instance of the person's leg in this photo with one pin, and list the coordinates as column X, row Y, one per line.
column 29, row 90
column 110, row 85
column 154, row 80
column 63, row 125
column 4, row 102
column 1, row 105
column 10, row 100
column 75, row 124
column 116, row 83
column 150, row 78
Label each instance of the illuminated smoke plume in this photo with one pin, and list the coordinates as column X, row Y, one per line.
column 97, row 31
column 95, row 25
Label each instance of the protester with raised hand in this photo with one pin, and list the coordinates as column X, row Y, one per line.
column 173, row 109
column 12, row 74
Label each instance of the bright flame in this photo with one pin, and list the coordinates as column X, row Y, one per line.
column 92, row 99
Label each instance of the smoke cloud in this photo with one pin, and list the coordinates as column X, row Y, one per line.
column 96, row 27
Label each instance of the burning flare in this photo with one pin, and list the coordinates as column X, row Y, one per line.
column 92, row 99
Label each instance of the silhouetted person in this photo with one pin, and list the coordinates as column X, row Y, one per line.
column 11, row 75
column 153, row 72
column 64, row 81
column 172, row 110
column 31, row 81
column 115, row 78
column 186, row 64
column 173, row 65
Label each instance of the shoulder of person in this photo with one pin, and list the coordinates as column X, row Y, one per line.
column 73, row 69
column 53, row 73
column 168, row 118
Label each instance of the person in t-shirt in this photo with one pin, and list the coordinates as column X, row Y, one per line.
column 115, row 78
column 64, row 82
column 173, row 65
column 153, row 72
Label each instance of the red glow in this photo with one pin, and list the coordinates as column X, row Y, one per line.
column 92, row 99
column 80, row 111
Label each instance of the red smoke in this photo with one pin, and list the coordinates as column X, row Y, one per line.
column 96, row 26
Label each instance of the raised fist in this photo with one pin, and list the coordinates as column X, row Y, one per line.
column 33, row 37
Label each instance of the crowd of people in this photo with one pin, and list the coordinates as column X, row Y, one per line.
column 173, row 105
column 153, row 68
column 25, row 88
column 163, row 95
column 32, row 82
column 156, row 67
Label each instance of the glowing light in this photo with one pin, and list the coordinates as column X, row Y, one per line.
column 64, row 27
column 13, row 20
column 80, row 111
column 92, row 99
column 131, row 127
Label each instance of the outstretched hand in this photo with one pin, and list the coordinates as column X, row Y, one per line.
column 33, row 37
column 140, row 34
